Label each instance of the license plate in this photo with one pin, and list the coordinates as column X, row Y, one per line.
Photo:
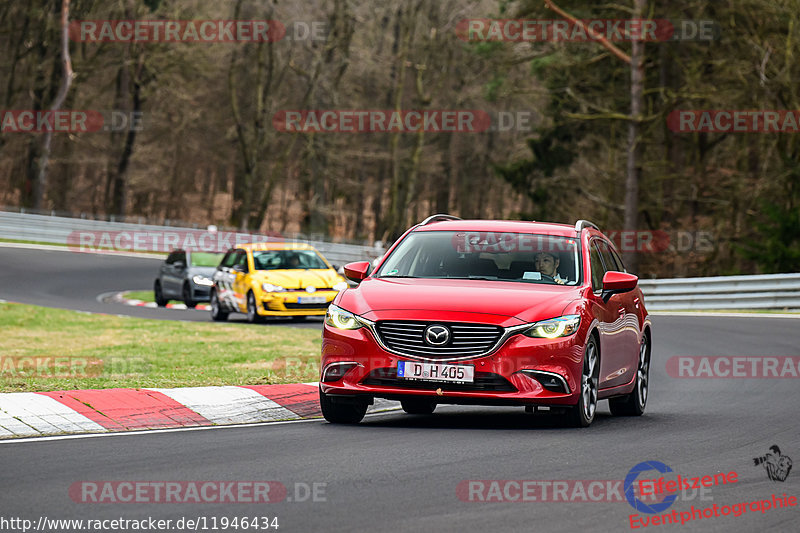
column 311, row 300
column 435, row 372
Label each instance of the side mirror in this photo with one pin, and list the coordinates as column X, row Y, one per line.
column 617, row 283
column 356, row 271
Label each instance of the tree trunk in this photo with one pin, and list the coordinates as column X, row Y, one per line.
column 633, row 168
column 40, row 185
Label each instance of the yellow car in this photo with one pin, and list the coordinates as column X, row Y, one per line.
column 273, row 279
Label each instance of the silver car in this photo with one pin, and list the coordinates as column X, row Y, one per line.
column 186, row 276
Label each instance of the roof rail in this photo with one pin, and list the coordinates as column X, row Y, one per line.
column 438, row 218
column 579, row 225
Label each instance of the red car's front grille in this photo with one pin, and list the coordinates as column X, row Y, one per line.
column 464, row 340
column 484, row 381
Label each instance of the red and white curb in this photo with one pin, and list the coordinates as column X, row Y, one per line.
column 119, row 297
column 33, row 414
column 141, row 303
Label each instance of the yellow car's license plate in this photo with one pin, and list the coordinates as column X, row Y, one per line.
column 311, row 300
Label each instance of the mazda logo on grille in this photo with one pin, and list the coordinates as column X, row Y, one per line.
column 437, row 335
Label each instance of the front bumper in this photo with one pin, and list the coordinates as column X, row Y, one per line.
column 498, row 376
column 290, row 303
column 201, row 293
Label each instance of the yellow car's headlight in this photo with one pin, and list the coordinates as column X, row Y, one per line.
column 341, row 319
column 562, row 326
column 342, row 285
column 269, row 287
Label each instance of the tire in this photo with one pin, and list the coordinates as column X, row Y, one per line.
column 158, row 295
column 217, row 313
column 299, row 318
column 187, row 296
column 418, row 406
column 252, row 310
column 582, row 414
column 633, row 404
column 344, row 411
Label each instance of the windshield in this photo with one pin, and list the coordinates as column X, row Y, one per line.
column 519, row 257
column 288, row 260
column 205, row 259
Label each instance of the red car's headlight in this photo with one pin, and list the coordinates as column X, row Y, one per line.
column 562, row 326
column 341, row 319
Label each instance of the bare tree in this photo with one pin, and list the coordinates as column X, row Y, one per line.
column 633, row 167
column 66, row 80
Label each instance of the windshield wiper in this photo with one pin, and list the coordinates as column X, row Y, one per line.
column 393, row 276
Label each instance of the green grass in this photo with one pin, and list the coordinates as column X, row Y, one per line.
column 65, row 245
column 145, row 296
column 21, row 241
column 76, row 350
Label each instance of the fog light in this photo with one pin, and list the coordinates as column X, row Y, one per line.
column 336, row 371
column 549, row 380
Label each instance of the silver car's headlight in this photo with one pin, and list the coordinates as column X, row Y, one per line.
column 269, row 287
column 342, row 285
column 202, row 280
column 562, row 326
column 341, row 319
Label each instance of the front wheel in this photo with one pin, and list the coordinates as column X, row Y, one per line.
column 217, row 314
column 187, row 297
column 633, row 404
column 583, row 413
column 158, row 295
column 252, row 311
column 343, row 411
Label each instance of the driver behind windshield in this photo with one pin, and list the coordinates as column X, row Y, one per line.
column 292, row 262
column 547, row 264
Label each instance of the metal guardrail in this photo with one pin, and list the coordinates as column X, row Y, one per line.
column 68, row 231
column 772, row 291
column 769, row 291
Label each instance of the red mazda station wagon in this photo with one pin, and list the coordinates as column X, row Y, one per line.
column 484, row 312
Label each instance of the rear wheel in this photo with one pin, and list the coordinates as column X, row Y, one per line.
column 252, row 311
column 187, row 296
column 342, row 410
column 217, row 314
column 633, row 404
column 158, row 295
column 583, row 413
column 418, row 406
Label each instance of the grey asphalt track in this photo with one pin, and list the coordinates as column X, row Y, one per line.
column 71, row 280
column 398, row 472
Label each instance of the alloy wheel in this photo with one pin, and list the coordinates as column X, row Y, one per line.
column 589, row 381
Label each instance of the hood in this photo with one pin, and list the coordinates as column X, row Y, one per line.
column 298, row 278
column 202, row 271
column 424, row 298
